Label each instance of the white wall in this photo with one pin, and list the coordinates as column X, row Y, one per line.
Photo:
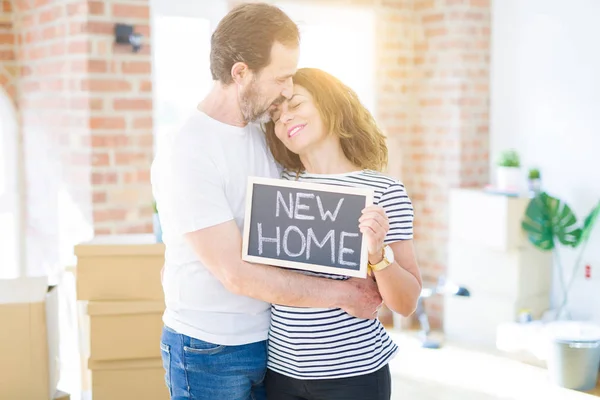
column 545, row 102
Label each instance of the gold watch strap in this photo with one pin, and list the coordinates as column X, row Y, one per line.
column 381, row 265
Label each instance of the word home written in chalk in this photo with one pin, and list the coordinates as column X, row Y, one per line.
column 295, row 210
column 305, row 226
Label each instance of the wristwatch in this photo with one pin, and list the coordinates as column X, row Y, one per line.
column 381, row 265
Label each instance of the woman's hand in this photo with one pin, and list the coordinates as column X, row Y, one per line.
column 374, row 225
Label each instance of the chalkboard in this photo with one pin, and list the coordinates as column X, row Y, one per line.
column 306, row 226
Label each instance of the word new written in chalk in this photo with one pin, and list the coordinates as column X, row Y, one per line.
column 306, row 226
column 309, row 239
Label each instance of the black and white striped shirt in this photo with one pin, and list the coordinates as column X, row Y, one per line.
column 317, row 343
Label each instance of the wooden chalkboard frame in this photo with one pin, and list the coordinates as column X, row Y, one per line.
column 252, row 180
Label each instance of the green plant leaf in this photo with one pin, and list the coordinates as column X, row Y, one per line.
column 588, row 223
column 534, row 173
column 537, row 223
column 564, row 223
column 547, row 218
column 509, row 158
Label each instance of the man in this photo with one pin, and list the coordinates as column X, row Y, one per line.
column 217, row 306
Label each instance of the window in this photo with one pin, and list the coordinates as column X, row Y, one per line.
column 182, row 47
column 339, row 40
column 181, row 32
column 10, row 231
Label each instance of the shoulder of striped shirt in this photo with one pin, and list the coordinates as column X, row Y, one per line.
column 291, row 175
column 383, row 177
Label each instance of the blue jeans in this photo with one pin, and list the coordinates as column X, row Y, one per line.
column 205, row 371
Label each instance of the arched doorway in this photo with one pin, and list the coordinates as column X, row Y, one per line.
column 11, row 232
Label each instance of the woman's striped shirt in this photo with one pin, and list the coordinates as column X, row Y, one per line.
column 316, row 343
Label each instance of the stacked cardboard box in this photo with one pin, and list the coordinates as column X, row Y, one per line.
column 488, row 252
column 119, row 290
column 29, row 341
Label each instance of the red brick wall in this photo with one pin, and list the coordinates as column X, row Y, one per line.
column 48, row 79
column 8, row 65
column 86, row 122
column 395, row 82
column 444, row 142
column 119, row 86
column 51, row 128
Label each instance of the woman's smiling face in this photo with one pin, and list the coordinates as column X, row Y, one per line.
column 298, row 123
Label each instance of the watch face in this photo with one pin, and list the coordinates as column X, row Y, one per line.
column 389, row 253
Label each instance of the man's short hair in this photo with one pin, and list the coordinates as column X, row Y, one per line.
column 247, row 34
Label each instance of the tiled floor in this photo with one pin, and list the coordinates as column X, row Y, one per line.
column 454, row 373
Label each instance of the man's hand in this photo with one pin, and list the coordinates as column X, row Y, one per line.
column 364, row 299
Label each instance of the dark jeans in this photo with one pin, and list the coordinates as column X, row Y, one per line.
column 373, row 386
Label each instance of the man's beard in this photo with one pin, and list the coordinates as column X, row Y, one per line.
column 253, row 108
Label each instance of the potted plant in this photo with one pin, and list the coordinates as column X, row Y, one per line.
column 156, row 223
column 508, row 171
column 549, row 222
column 535, row 180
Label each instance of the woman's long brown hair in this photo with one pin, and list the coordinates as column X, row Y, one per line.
column 344, row 115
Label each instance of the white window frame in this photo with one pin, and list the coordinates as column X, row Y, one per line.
column 12, row 200
column 184, row 9
column 214, row 11
column 304, row 13
column 307, row 14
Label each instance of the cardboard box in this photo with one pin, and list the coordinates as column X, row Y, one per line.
column 29, row 339
column 60, row 395
column 125, row 330
column 486, row 220
column 83, row 330
column 475, row 319
column 126, row 380
column 120, row 267
column 517, row 273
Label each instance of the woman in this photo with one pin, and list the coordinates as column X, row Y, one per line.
column 323, row 134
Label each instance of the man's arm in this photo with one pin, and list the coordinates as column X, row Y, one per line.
column 198, row 208
column 219, row 248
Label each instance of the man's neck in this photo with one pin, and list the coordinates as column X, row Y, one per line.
column 221, row 104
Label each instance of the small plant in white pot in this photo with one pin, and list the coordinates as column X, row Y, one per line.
column 534, row 179
column 508, row 171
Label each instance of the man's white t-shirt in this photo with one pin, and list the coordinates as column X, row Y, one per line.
column 199, row 179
